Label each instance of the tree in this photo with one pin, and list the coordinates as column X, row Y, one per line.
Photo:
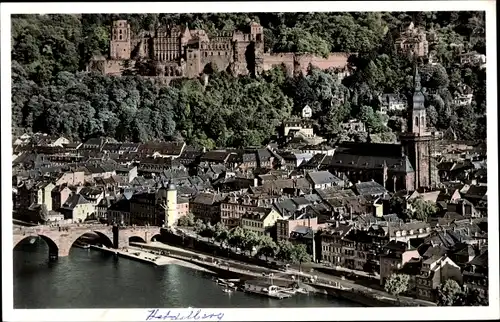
column 250, row 241
column 285, row 251
column 423, row 209
column 199, row 226
column 208, row 232
column 221, row 233
column 397, row 284
column 300, row 255
column 475, row 297
column 267, row 247
column 187, row 220
column 397, row 205
column 236, row 237
column 449, row 293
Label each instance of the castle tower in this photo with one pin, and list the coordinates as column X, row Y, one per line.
column 120, row 40
column 418, row 142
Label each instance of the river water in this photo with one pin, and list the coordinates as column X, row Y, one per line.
column 92, row 279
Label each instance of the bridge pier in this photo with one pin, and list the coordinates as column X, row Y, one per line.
column 116, row 237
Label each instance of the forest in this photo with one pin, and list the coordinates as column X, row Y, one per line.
column 52, row 93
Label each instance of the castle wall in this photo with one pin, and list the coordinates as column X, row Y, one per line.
column 276, row 60
column 334, row 60
column 296, row 62
column 222, row 62
column 114, row 67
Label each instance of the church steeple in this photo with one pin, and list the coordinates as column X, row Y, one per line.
column 416, row 81
column 418, row 97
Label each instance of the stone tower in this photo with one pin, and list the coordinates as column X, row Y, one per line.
column 120, row 47
column 257, row 37
column 166, row 200
column 418, row 143
column 171, row 216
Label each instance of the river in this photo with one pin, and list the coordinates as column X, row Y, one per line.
column 92, row 279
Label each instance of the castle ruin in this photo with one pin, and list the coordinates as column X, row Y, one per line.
column 179, row 52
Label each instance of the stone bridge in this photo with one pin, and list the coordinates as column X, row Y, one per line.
column 61, row 239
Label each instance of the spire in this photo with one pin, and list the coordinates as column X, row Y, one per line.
column 418, row 86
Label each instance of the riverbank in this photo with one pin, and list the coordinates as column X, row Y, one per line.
column 331, row 286
column 135, row 253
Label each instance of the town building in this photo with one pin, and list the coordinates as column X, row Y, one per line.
column 207, row 207
column 260, row 220
column 394, row 256
column 353, row 125
column 435, row 270
column 77, row 208
column 392, row 103
column 413, row 42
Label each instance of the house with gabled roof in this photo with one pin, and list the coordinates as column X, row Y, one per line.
column 394, row 256
column 476, row 272
column 260, row 220
column 435, row 270
column 323, row 179
column 77, row 208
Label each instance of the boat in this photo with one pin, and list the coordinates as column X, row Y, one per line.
column 269, row 290
column 290, row 291
column 82, row 245
column 301, row 291
column 227, row 290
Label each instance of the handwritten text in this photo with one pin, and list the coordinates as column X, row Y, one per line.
column 195, row 314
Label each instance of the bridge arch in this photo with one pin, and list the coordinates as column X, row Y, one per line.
column 156, row 237
column 53, row 246
column 136, row 239
column 104, row 239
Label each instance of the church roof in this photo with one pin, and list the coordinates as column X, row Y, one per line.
column 355, row 161
column 371, row 156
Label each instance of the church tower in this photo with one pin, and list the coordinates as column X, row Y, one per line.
column 418, row 142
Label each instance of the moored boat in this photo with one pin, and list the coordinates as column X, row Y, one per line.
column 266, row 289
column 301, row 291
column 82, row 245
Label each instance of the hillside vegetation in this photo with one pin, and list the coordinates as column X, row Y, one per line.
column 51, row 92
